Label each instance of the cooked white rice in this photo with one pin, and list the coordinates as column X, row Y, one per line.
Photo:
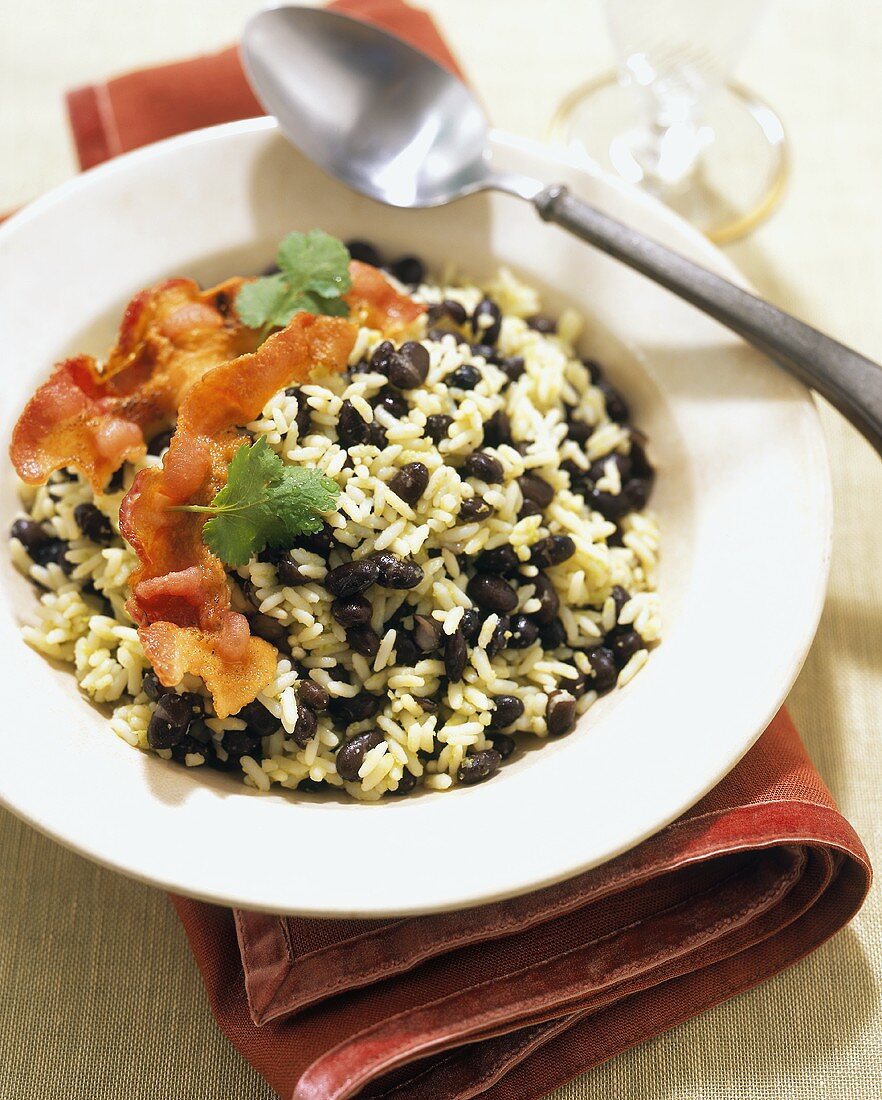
column 82, row 619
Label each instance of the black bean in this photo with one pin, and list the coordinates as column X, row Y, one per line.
column 616, row 406
column 152, row 686
column 353, row 577
column 499, row 560
column 361, row 367
column 160, row 442
column 196, row 703
column 548, row 599
column 484, row 466
column 639, row 459
column 352, row 428
column 376, row 435
column 552, row 635
column 473, row 509
column 410, row 482
column 403, row 374
column 364, row 252
column 289, row 573
column 595, row 371
column 579, row 431
column 169, row 722
column 500, row 637
column 30, row 534
column 312, row 695
column 346, row 711
column 603, row 665
column 578, row 684
column 409, row 270
column 529, row 508
column 611, row 506
column 426, row 633
column 400, row 573
column 597, row 469
column 470, row 624
column 394, row 403
column 351, row 610
column 310, row 786
column 620, row 598
column 241, row 742
column 636, row 493
column 305, row 726
column 455, row 655
column 552, row 550
column 513, row 367
column 624, row 644
column 506, row 711
column 465, row 377
column 259, row 719
column 417, row 356
column 318, row 542
column 486, row 351
column 540, row 323
column 363, row 639
column 560, row 713
column 437, row 426
column 351, row 754
column 523, row 632
column 268, row 628
column 53, row 551
column 536, row 488
column 487, row 321
column 448, row 310
column 492, row 593
column 504, row 744
column 406, row 783
column 406, row 650
column 497, row 430
column 382, row 357
column 478, row 767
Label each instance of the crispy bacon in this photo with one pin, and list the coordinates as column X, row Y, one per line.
column 233, row 672
column 94, row 419
column 374, row 302
column 180, row 592
column 184, row 351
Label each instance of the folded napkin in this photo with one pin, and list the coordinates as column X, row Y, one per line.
column 512, row 999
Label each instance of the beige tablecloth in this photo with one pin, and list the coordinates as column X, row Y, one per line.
column 98, row 994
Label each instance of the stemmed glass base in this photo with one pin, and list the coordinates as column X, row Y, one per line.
column 724, row 173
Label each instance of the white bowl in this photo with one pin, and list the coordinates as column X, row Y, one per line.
column 742, row 494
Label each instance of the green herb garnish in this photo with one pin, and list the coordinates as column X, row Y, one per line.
column 264, row 503
column 313, row 277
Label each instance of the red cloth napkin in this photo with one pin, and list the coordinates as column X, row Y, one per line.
column 507, row 1000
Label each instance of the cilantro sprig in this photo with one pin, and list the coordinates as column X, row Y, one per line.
column 264, row 503
column 313, row 276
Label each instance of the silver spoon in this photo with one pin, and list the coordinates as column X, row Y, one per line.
column 393, row 124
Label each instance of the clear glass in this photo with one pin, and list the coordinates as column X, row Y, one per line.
column 671, row 120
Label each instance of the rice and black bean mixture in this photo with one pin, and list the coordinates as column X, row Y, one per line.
column 490, row 570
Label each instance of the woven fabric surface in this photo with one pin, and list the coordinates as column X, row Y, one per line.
column 98, row 992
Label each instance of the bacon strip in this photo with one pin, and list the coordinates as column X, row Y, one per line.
column 180, row 592
column 374, row 302
column 93, row 419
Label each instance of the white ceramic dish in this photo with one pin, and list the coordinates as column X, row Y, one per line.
column 743, row 496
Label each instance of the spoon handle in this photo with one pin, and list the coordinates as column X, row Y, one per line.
column 849, row 381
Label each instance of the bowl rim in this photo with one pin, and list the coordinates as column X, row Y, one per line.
column 550, row 158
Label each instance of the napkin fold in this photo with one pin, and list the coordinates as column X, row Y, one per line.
column 512, row 999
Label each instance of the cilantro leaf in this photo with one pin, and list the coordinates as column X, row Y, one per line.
column 264, row 503
column 313, row 277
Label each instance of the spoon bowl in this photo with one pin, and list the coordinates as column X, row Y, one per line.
column 338, row 87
